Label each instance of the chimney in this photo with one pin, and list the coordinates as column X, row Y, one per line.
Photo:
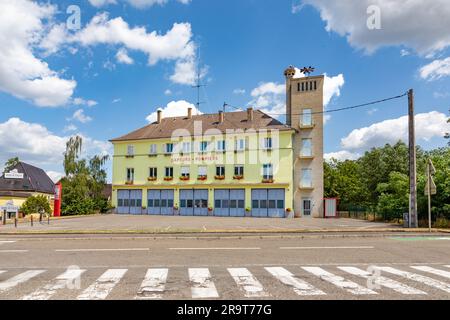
column 221, row 116
column 249, row 114
column 159, row 114
column 189, row 113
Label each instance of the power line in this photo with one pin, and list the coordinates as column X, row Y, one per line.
column 335, row 110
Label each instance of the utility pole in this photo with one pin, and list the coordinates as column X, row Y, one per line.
column 430, row 188
column 413, row 223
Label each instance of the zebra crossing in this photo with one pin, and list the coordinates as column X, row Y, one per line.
column 302, row 281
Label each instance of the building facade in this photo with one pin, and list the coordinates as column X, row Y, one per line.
column 225, row 164
column 22, row 182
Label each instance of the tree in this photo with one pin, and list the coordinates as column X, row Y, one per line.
column 36, row 204
column 447, row 135
column 394, row 196
column 84, row 181
column 10, row 164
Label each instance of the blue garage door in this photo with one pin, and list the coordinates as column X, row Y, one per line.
column 229, row 203
column 268, row 203
column 160, row 202
column 129, row 201
column 194, row 202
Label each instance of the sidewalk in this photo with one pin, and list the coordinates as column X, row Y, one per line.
column 176, row 224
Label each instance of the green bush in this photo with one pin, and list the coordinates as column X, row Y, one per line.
column 36, row 204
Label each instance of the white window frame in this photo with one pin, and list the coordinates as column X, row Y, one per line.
column 306, row 114
column 268, row 143
column 202, row 171
column 130, row 174
column 153, row 149
column 239, row 170
column 186, row 147
column 167, row 170
column 130, row 150
column 220, row 170
column 203, row 146
column 185, row 171
column 153, row 172
column 221, row 145
column 166, row 148
column 267, row 171
column 240, row 145
column 306, row 151
column 303, row 178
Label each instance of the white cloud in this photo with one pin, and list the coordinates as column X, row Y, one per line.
column 341, row 155
column 23, row 25
column 270, row 97
column 123, row 57
column 174, row 109
column 239, row 91
column 83, row 102
column 420, row 25
column 140, row 4
column 69, row 128
column 54, row 175
column 168, row 92
column 116, row 100
column 35, row 144
column 428, row 125
column 404, row 53
column 436, row 69
column 79, row 115
column 372, row 111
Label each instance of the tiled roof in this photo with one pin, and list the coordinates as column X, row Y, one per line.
column 232, row 120
column 34, row 180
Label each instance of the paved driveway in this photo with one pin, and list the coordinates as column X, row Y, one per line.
column 113, row 222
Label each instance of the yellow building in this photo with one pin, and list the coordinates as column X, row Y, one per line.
column 24, row 181
column 226, row 164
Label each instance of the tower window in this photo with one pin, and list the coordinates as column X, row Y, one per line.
column 303, row 86
column 315, row 85
column 298, row 86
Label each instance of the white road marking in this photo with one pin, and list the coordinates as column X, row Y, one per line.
column 301, row 287
column 419, row 278
column 218, row 248
column 101, row 288
column 383, row 281
column 202, row 284
column 6, row 241
column 20, row 278
column 64, row 280
column 437, row 272
column 153, row 285
column 338, row 281
column 99, row 250
column 247, row 283
column 309, row 248
column 13, row 251
column 2, row 271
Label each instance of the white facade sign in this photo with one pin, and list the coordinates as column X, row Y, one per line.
column 13, row 174
column 9, row 207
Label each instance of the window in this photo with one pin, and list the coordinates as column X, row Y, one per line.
column 153, row 149
column 185, row 172
column 130, row 174
column 306, row 207
column 315, row 85
column 306, row 178
column 240, row 145
column 168, row 148
column 153, row 172
column 267, row 143
column 202, row 171
column 239, row 170
column 306, row 119
column 221, row 145
column 303, row 86
column 169, row 172
column 130, row 150
column 267, row 171
column 186, row 147
column 203, row 146
column 306, row 148
column 220, row 171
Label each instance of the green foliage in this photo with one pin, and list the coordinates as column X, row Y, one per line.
column 10, row 164
column 378, row 181
column 84, row 181
column 36, row 204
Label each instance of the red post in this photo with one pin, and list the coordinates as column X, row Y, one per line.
column 58, row 196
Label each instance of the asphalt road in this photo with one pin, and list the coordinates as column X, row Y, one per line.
column 229, row 267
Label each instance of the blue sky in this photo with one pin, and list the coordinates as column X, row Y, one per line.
column 244, row 45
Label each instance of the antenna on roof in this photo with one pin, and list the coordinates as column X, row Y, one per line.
column 228, row 105
column 198, row 84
